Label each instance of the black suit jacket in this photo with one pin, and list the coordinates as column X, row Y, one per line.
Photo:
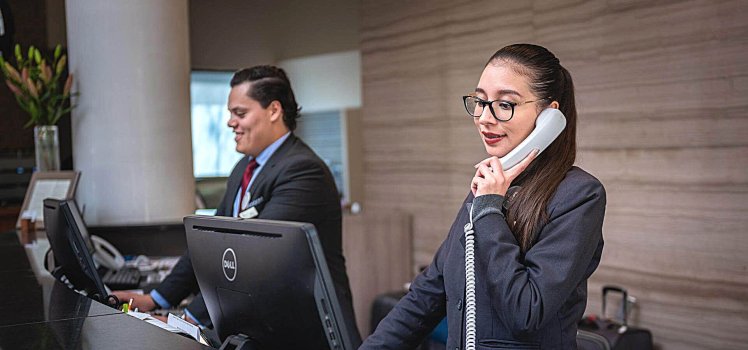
column 523, row 301
column 294, row 185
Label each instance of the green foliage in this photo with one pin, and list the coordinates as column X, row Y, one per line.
column 38, row 86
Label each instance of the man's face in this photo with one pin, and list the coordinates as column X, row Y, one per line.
column 252, row 124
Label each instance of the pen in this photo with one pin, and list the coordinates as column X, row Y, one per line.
column 126, row 307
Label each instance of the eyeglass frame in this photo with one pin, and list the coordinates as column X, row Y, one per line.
column 483, row 104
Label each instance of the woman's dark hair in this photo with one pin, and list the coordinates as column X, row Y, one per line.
column 268, row 84
column 526, row 212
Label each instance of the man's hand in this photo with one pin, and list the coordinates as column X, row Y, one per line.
column 143, row 302
column 162, row 318
column 190, row 320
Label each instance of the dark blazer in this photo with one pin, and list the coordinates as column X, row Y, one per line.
column 294, row 185
column 529, row 302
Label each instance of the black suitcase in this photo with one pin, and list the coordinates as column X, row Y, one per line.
column 591, row 341
column 594, row 330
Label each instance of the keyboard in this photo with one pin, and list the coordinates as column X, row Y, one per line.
column 122, row 279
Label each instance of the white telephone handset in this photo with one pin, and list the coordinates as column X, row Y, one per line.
column 549, row 124
column 106, row 255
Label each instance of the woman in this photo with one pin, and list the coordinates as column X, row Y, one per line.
column 535, row 248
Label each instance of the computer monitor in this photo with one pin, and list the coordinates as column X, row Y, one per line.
column 269, row 281
column 72, row 249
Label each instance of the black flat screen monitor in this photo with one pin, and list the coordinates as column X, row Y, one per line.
column 72, row 248
column 267, row 280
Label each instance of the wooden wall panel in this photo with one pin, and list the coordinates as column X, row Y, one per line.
column 663, row 123
column 378, row 249
column 30, row 29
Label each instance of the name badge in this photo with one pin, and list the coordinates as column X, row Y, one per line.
column 255, row 202
column 245, row 201
column 249, row 213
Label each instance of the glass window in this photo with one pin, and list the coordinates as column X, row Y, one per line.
column 322, row 132
column 213, row 147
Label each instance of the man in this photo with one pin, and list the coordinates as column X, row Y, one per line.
column 281, row 179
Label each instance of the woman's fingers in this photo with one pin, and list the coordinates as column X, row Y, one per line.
column 512, row 173
column 488, row 179
column 485, row 162
column 496, row 165
column 484, row 171
column 474, row 184
column 491, row 178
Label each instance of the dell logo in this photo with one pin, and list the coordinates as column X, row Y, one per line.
column 229, row 264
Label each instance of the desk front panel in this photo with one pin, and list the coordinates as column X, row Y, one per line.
column 118, row 331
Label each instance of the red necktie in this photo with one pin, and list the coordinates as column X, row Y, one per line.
column 245, row 179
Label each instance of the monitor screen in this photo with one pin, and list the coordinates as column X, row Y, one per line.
column 269, row 281
column 66, row 232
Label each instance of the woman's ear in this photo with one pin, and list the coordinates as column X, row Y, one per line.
column 554, row 104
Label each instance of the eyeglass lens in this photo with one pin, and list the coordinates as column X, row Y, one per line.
column 501, row 110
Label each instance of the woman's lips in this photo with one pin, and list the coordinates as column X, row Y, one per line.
column 491, row 139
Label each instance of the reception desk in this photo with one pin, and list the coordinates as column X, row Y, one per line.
column 38, row 313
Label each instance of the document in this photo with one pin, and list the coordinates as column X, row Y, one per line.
column 184, row 326
column 44, row 189
column 177, row 325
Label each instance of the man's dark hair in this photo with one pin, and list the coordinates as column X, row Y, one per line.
column 268, row 84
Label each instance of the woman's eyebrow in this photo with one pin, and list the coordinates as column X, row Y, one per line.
column 509, row 92
column 501, row 92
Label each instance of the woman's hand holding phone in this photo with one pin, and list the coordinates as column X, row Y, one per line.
column 490, row 178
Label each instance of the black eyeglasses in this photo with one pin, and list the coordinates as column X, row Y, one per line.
column 500, row 109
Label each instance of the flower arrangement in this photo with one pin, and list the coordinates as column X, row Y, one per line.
column 37, row 85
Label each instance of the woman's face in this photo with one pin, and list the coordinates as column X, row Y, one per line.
column 500, row 82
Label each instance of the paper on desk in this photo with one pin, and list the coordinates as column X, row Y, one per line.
column 175, row 325
column 156, row 322
column 185, row 326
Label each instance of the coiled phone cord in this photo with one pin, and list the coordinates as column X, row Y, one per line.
column 470, row 328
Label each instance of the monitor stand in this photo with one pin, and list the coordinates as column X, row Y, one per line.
column 238, row 342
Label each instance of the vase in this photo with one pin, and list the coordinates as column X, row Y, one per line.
column 47, row 148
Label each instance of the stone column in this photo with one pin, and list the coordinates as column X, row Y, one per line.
column 131, row 127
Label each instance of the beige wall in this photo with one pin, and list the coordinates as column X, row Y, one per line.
column 328, row 82
column 661, row 90
column 231, row 34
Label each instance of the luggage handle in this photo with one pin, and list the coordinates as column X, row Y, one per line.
column 611, row 288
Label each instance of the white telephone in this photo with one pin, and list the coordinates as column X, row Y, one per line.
column 106, row 255
column 549, row 124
